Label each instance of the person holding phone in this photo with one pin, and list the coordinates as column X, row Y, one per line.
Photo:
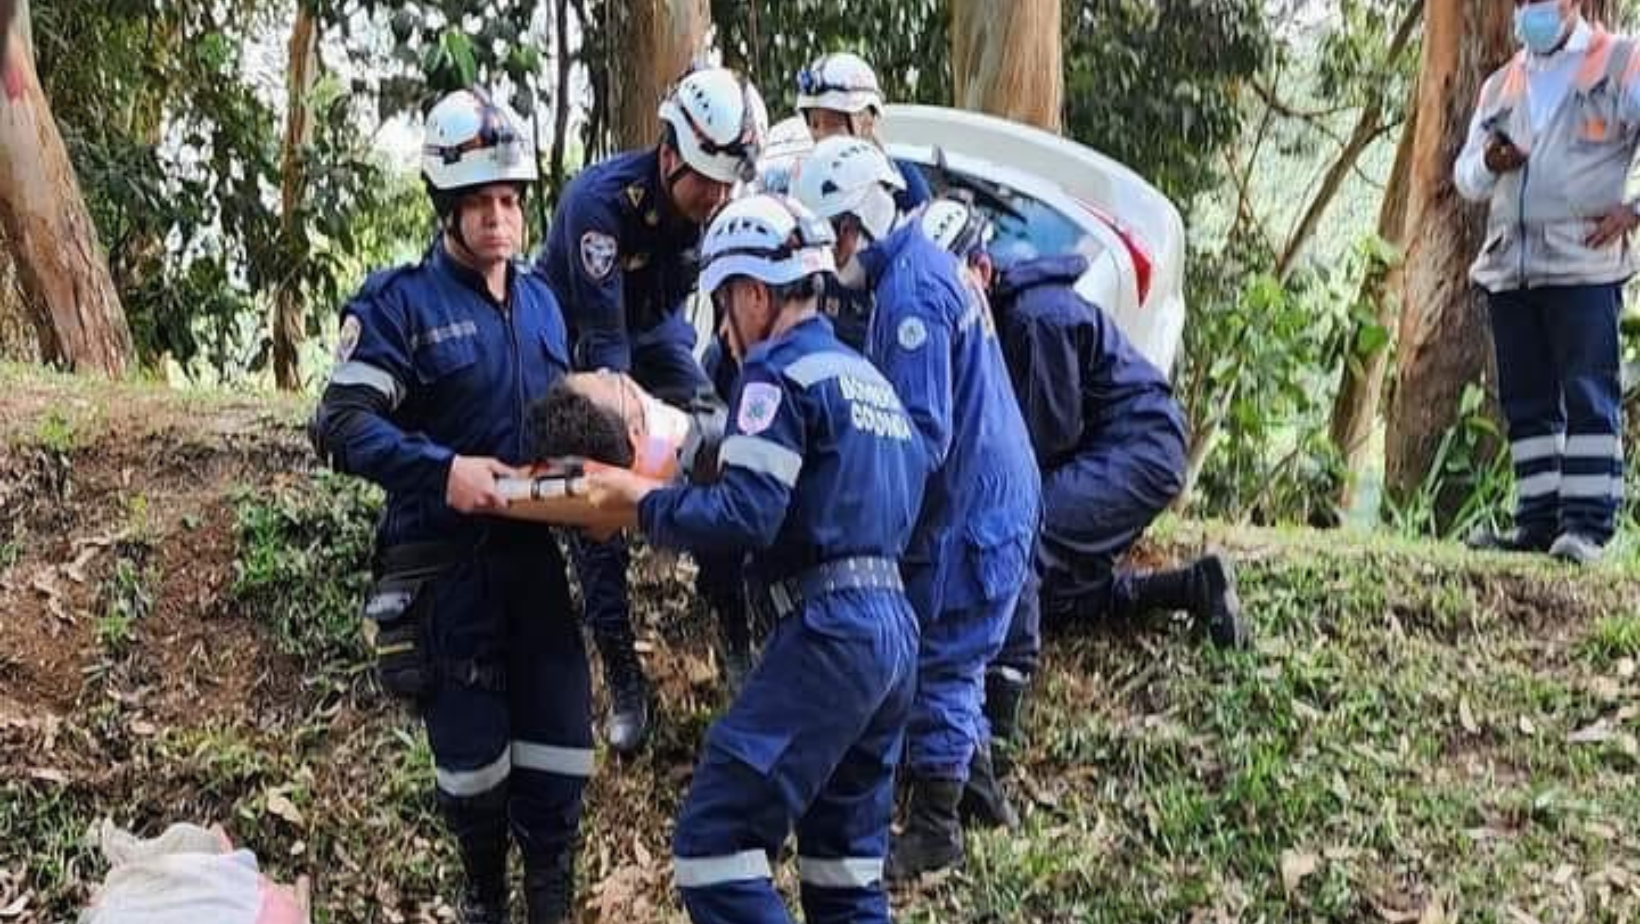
column 1549, row 150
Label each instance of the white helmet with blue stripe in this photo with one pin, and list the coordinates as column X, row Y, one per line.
column 767, row 237
column 850, row 176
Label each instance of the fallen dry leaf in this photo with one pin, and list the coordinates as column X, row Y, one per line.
column 1625, row 668
column 1295, row 865
column 1526, row 726
column 1594, row 734
column 49, row 775
column 1563, row 874
column 1466, row 718
column 16, row 908
column 281, row 807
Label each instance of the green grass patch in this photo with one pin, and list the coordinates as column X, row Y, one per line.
column 303, row 566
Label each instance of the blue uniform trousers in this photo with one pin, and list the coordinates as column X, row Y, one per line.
column 812, row 742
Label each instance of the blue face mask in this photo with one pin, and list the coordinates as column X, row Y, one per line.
column 1538, row 26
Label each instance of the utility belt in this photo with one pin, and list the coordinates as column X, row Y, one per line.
column 779, row 599
column 398, row 622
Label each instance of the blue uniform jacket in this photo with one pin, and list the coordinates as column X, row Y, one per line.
column 933, row 337
column 1079, row 381
column 916, row 191
column 621, row 262
column 819, row 462
column 430, row 366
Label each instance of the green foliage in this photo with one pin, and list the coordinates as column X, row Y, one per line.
column 303, row 564
column 1259, row 373
column 56, row 433
column 127, row 597
column 1468, row 461
column 178, row 153
column 1157, row 85
column 906, row 42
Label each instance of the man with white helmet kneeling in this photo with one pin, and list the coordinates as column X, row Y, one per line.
column 620, row 256
column 822, row 474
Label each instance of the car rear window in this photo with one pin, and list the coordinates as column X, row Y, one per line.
column 1025, row 226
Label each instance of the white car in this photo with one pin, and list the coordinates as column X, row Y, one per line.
column 1045, row 195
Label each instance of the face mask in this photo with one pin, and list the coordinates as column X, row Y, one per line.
column 1538, row 26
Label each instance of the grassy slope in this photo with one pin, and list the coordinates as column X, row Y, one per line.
column 1422, row 734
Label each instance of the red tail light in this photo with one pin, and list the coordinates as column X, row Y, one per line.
column 1143, row 262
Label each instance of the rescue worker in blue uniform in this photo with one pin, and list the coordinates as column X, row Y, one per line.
column 933, row 337
column 1550, row 148
column 621, row 256
column 436, row 364
column 838, row 94
column 822, row 475
column 1110, row 441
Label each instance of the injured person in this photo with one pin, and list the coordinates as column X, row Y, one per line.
column 589, row 420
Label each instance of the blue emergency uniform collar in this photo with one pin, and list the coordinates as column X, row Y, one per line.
column 1026, row 274
column 876, row 259
column 442, row 260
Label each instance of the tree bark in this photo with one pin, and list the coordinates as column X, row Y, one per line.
column 62, row 269
column 659, row 38
column 1355, row 407
column 1368, row 126
column 1444, row 333
column 1005, row 59
column 289, row 310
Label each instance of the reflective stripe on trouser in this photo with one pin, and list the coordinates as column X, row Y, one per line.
column 814, row 735
column 534, row 741
column 946, row 721
column 1557, row 355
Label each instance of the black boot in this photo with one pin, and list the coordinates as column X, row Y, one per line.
column 480, row 827
column 1206, row 589
column 1004, row 701
column 932, row 838
column 984, row 803
column 549, row 887
column 628, row 722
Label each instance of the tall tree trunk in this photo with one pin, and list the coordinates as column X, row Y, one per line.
column 1005, row 59
column 1608, row 13
column 1355, row 408
column 1444, row 333
column 658, row 39
column 301, row 76
column 62, row 269
column 1369, row 125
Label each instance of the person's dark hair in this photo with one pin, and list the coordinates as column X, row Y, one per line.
column 564, row 422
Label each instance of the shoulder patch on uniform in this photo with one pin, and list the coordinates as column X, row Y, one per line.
column 912, row 334
column 634, row 194
column 347, row 339
column 758, row 403
column 598, row 253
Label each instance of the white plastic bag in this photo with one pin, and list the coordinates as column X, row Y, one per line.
column 188, row 875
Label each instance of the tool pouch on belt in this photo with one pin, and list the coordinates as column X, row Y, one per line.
column 397, row 609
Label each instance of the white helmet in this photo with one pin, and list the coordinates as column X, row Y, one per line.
column 850, row 176
column 842, row 82
column 957, row 226
column 718, row 120
column 470, row 141
column 770, row 238
column 788, row 143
